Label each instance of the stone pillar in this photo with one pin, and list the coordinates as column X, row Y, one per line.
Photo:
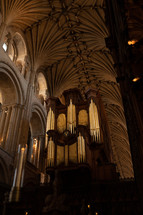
column 2, row 33
column 11, row 127
column 19, row 174
column 30, row 149
column 2, row 121
column 5, row 125
column 118, row 45
column 42, row 153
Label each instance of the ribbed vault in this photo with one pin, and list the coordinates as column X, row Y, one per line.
column 66, row 41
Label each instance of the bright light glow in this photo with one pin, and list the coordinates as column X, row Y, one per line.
column 4, row 47
column 1, row 141
column 136, row 79
column 96, row 213
column 88, row 206
column 132, row 42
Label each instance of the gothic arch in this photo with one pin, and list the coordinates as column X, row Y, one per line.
column 38, row 115
column 41, row 87
column 37, row 127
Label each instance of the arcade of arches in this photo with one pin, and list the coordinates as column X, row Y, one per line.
column 71, row 107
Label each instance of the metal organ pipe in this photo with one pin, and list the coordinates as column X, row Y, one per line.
column 50, row 161
column 81, row 148
column 71, row 117
column 50, row 143
column 94, row 122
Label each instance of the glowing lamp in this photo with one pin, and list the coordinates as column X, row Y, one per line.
column 136, row 79
column 132, row 42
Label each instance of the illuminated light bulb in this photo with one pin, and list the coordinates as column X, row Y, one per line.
column 88, row 206
column 132, row 42
column 136, row 79
column 96, row 213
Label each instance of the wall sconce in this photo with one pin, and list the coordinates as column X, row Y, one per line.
column 132, row 42
column 136, row 79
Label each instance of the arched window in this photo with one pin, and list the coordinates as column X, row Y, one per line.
column 4, row 46
column 15, row 47
column 41, row 87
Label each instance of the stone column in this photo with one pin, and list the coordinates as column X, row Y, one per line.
column 42, row 153
column 2, row 32
column 5, row 125
column 2, row 121
column 14, row 128
column 118, row 45
column 30, row 149
column 19, row 174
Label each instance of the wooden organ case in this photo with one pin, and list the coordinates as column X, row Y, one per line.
column 78, row 138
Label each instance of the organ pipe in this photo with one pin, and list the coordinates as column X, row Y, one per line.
column 49, row 142
column 94, row 122
column 50, row 120
column 50, row 153
column 81, row 148
column 50, row 124
column 71, row 117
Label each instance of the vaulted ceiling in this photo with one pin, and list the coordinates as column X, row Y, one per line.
column 66, row 41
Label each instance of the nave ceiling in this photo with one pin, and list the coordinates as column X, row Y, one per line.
column 66, row 41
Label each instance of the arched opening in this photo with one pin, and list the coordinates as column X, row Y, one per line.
column 35, row 139
column 20, row 46
column 41, row 87
column 8, row 93
column 16, row 49
column 8, row 98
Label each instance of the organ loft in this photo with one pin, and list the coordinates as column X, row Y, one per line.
column 71, row 100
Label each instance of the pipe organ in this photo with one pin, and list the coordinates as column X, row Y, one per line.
column 75, row 133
